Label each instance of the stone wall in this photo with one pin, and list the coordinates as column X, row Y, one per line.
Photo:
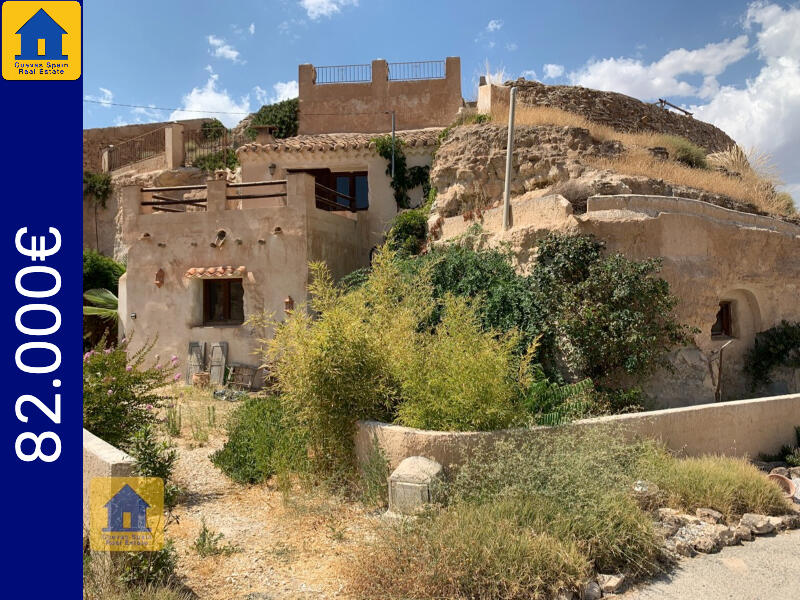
column 619, row 111
column 101, row 459
column 361, row 107
column 742, row 428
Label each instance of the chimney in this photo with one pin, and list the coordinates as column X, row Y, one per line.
column 265, row 134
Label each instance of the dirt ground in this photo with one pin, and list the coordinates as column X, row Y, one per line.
column 287, row 546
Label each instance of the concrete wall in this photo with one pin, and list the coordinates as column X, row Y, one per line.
column 273, row 238
column 739, row 428
column 101, row 459
column 360, row 107
column 710, row 254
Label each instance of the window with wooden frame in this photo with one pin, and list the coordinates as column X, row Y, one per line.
column 723, row 326
column 223, row 302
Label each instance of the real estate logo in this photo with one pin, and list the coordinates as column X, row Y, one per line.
column 126, row 514
column 41, row 41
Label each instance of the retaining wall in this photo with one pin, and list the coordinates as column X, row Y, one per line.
column 742, row 428
column 101, row 459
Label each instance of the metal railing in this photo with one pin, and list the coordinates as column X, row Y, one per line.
column 331, row 200
column 343, row 74
column 409, row 71
column 212, row 149
column 173, row 199
column 144, row 146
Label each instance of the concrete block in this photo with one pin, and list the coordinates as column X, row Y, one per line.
column 411, row 484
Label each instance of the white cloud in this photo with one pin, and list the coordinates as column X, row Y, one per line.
column 252, row 29
column 765, row 112
column 529, row 74
column 221, row 49
column 511, row 46
column 325, row 8
column 213, row 102
column 552, row 71
column 494, row 25
column 662, row 78
column 105, row 98
column 149, row 113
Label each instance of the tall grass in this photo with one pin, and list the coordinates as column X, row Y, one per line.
column 526, row 519
column 755, row 185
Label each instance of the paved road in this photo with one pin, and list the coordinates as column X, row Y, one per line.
column 765, row 569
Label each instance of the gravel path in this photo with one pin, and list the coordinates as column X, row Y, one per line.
column 765, row 569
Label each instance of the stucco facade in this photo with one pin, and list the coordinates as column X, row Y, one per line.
column 361, row 106
column 273, row 227
column 710, row 255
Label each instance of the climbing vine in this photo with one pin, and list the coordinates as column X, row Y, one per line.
column 97, row 187
column 405, row 179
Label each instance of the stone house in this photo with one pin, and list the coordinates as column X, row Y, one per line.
column 203, row 258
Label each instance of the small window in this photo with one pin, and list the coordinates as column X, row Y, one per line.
column 223, row 302
column 347, row 190
column 723, row 326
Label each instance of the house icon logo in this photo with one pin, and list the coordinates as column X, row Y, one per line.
column 126, row 514
column 41, row 38
column 127, row 511
column 41, row 41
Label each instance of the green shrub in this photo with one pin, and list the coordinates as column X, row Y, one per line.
column 100, row 271
column 119, row 393
column 97, row 188
column 777, row 346
column 222, row 159
column 213, row 129
column 143, row 569
column 208, row 543
column 684, row 151
column 374, row 476
column 461, row 377
column 405, row 178
column 283, row 115
column 155, row 458
column 261, row 442
column 408, row 232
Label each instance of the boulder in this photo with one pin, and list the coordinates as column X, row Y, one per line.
column 758, row 524
column 743, row 533
column 610, row 584
column 592, row 591
column 412, row 483
column 783, row 471
column 709, row 515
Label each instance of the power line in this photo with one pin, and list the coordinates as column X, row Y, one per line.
column 216, row 112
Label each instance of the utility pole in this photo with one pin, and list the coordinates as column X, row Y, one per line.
column 509, row 155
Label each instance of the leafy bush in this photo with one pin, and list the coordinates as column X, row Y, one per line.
column 208, row 543
column 460, row 378
column 405, row 178
column 100, row 271
column 97, row 188
column 119, row 392
column 156, row 568
column 408, row 232
column 155, row 458
column 212, row 129
column 777, row 346
column 686, row 152
column 283, row 115
column 260, row 442
column 222, row 159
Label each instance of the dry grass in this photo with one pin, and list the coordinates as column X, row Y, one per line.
column 101, row 581
column 755, row 184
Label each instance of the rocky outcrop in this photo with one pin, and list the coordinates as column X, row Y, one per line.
column 621, row 112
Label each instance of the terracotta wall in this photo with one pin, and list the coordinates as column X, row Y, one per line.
column 361, row 107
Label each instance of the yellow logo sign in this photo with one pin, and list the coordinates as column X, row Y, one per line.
column 41, row 40
column 126, row 514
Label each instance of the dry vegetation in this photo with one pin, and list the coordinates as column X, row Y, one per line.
column 751, row 177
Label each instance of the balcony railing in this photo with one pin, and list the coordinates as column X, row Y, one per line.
column 410, row 71
column 343, row 74
column 238, row 196
column 145, row 146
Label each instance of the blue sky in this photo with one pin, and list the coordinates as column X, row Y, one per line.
column 736, row 62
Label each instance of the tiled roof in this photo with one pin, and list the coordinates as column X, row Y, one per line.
column 322, row 142
column 211, row 272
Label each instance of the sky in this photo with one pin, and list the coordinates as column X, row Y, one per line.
column 735, row 64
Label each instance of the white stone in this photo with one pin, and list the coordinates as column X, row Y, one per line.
column 411, row 484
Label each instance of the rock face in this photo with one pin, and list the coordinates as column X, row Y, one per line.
column 758, row 524
column 621, row 112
